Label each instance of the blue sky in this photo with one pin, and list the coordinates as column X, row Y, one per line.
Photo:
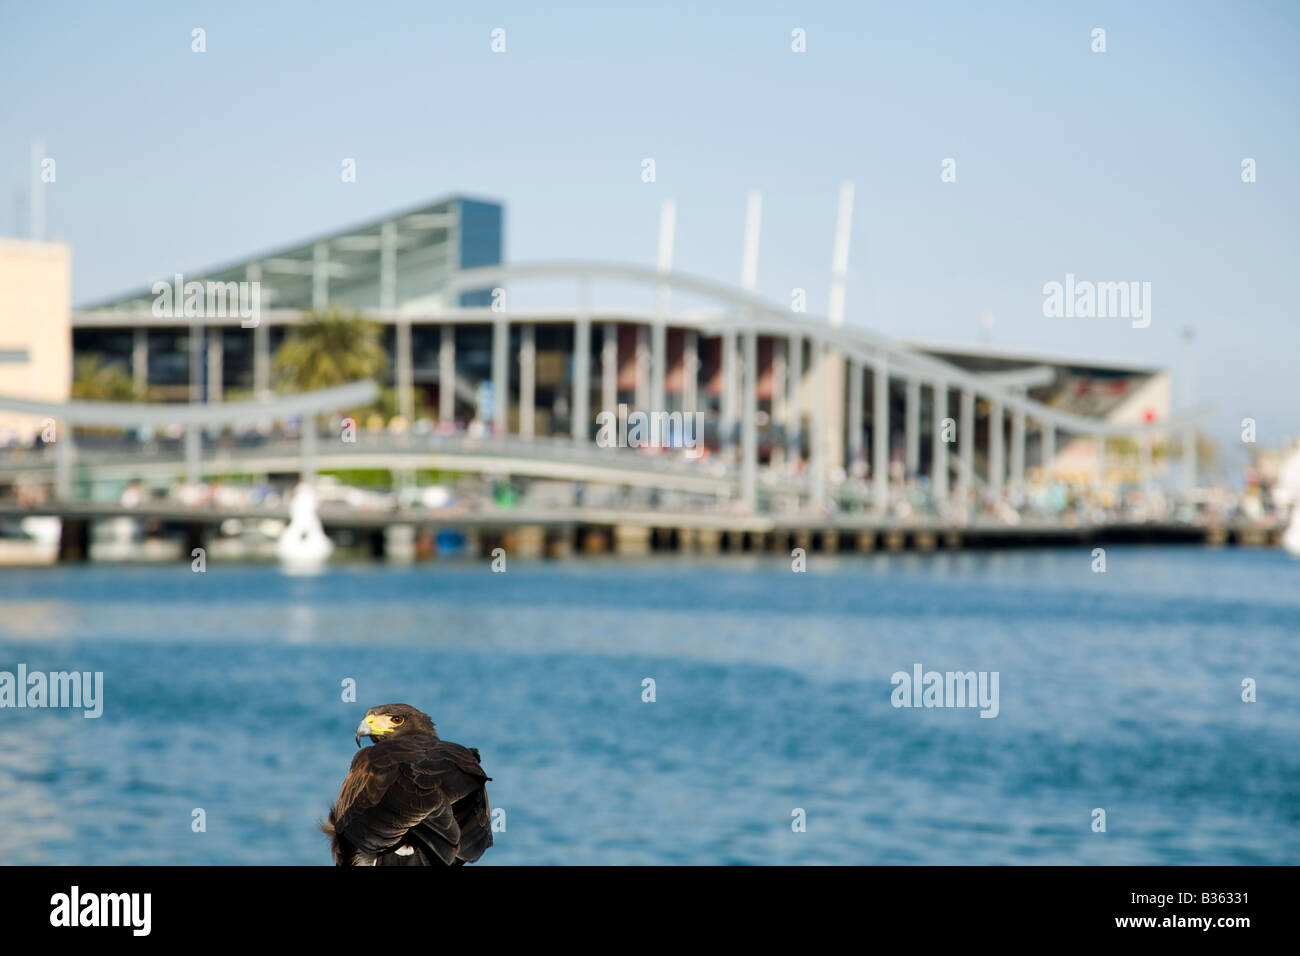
column 1117, row 166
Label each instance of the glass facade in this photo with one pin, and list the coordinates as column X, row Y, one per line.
column 480, row 244
column 432, row 242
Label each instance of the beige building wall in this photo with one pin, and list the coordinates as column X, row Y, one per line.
column 35, row 329
column 1154, row 395
column 1076, row 461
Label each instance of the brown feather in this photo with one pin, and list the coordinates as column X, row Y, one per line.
column 416, row 790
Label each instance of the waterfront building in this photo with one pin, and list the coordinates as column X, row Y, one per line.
column 779, row 393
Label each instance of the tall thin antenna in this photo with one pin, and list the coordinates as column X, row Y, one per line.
column 658, row 353
column 1186, row 386
column 667, row 235
column 840, row 262
column 667, row 229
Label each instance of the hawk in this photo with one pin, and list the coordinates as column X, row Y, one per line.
column 411, row 799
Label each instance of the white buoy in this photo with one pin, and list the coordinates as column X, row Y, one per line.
column 1287, row 491
column 1291, row 539
column 303, row 547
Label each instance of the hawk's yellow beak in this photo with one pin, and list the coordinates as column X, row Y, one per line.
column 374, row 725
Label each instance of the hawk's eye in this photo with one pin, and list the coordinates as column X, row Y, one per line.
column 397, row 721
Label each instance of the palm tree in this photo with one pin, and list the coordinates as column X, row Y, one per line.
column 96, row 380
column 330, row 348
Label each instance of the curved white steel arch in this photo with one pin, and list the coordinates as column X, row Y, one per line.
column 193, row 416
column 743, row 317
column 761, row 316
column 753, row 314
column 622, row 470
column 203, row 415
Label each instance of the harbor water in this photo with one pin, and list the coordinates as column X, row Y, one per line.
column 1120, row 691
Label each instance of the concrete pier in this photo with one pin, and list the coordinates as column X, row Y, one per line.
column 560, row 546
column 550, row 534
column 530, row 541
column 632, row 539
column 74, row 542
column 596, row 541
column 399, row 543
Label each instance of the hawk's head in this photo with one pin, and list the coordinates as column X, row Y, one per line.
column 393, row 720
